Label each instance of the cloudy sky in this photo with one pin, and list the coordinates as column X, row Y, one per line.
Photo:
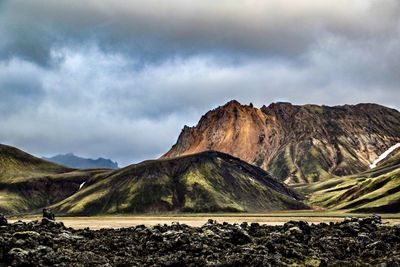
column 119, row 78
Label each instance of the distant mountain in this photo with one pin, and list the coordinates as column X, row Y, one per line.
column 296, row 144
column 28, row 183
column 73, row 161
column 375, row 190
column 205, row 182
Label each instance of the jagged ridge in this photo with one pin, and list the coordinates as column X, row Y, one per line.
column 296, row 144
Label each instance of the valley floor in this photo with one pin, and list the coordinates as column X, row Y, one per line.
column 196, row 220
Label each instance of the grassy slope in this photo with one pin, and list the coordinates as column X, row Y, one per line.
column 17, row 166
column 205, row 182
column 376, row 190
column 28, row 183
column 301, row 167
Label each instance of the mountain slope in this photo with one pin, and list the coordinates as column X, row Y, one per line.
column 17, row 165
column 296, row 144
column 205, row 182
column 376, row 190
column 28, row 183
column 74, row 161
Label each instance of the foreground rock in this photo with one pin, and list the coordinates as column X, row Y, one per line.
column 355, row 242
column 3, row 220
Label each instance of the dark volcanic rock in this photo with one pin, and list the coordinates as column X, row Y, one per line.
column 3, row 220
column 355, row 242
column 48, row 214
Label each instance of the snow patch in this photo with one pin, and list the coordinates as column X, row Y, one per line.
column 82, row 184
column 384, row 155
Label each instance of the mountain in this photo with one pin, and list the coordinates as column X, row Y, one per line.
column 375, row 190
column 205, row 182
column 28, row 183
column 210, row 181
column 73, row 161
column 296, row 144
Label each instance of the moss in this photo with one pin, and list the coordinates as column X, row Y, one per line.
column 12, row 202
column 259, row 160
column 167, row 199
column 311, row 262
column 88, row 200
column 206, row 183
column 206, row 192
column 314, row 163
column 279, row 167
column 352, row 193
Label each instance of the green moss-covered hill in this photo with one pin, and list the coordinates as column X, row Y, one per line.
column 204, row 182
column 16, row 165
column 28, row 184
column 376, row 190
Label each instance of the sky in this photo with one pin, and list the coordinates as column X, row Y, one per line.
column 120, row 78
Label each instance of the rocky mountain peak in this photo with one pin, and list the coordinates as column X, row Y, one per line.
column 296, row 143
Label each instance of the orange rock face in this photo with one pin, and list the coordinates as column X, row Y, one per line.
column 296, row 144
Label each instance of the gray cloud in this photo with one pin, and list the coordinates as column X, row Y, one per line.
column 18, row 92
column 119, row 79
column 157, row 29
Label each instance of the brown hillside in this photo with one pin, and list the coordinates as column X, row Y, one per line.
column 295, row 143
